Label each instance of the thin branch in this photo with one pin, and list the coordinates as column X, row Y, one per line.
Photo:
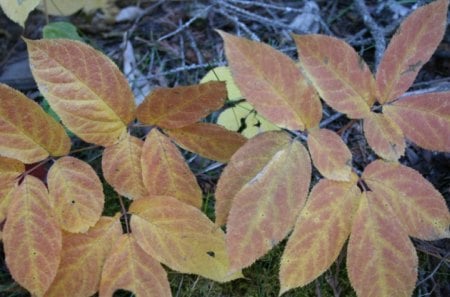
column 285, row 9
column 124, row 214
column 185, row 68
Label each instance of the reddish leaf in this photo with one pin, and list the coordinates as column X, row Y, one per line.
column 208, row 140
column 181, row 106
column 272, row 83
column 166, row 173
column 410, row 48
column 340, row 76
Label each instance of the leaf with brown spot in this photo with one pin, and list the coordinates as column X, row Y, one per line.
column 76, row 194
column 410, row 48
column 165, row 171
column 27, row 133
column 181, row 106
column 31, row 237
column 84, row 87
column 208, row 140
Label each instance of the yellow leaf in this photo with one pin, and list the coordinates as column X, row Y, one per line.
column 27, row 133
column 10, row 170
column 320, row 232
column 76, row 194
column 83, row 257
column 128, row 267
column 68, row 7
column 165, row 171
column 330, row 154
column 84, row 88
column 18, row 10
column 31, row 237
column 181, row 237
column 223, row 73
column 381, row 259
column 121, row 164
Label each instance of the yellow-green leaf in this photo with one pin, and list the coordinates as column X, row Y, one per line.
column 381, row 259
column 31, row 237
column 18, row 10
column 82, row 259
column 121, row 164
column 339, row 74
column 10, row 168
column 27, row 133
column 181, row 237
column 265, row 208
column 208, row 140
column 165, row 171
column 420, row 208
column 320, row 232
column 76, row 194
column 329, row 154
column 272, row 83
column 84, row 87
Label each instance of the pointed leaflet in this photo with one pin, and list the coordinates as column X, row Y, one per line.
column 420, row 208
column 272, row 83
column 330, row 155
column 10, row 170
column 27, row 133
column 265, row 208
column 121, row 164
column 410, row 48
column 340, row 76
column 424, row 119
column 82, row 259
column 18, row 10
column 208, row 140
column 76, row 194
column 181, row 237
column 83, row 87
column 384, row 136
column 31, row 237
column 165, row 171
column 128, row 267
column 320, row 232
column 381, row 259
column 243, row 167
column 181, row 106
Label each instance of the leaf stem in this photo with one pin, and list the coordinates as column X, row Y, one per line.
column 124, row 214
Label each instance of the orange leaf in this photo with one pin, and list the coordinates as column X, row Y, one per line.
column 76, row 194
column 208, row 140
column 265, row 208
column 320, row 232
column 165, row 171
column 27, row 133
column 272, row 83
column 384, row 136
column 243, row 167
column 381, row 260
column 339, row 74
column 330, row 155
column 121, row 164
column 84, row 87
column 416, row 203
column 31, row 237
column 129, row 267
column 10, row 170
column 82, row 259
column 181, row 237
column 410, row 48
column 181, row 106
column 424, row 119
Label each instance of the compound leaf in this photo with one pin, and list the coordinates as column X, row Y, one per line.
column 165, row 171
column 208, row 140
column 410, row 48
column 339, row 74
column 18, row 10
column 129, row 267
column 121, row 164
column 76, row 194
column 272, row 83
column 31, row 237
column 181, row 106
column 27, row 133
column 84, row 88
column 420, row 208
column 381, row 259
